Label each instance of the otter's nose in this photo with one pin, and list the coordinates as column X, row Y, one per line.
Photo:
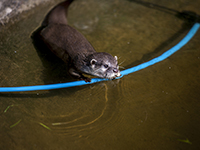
column 115, row 70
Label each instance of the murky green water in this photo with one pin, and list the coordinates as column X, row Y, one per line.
column 155, row 108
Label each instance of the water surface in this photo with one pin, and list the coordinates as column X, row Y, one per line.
column 155, row 108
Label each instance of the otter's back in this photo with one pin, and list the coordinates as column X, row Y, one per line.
column 70, row 40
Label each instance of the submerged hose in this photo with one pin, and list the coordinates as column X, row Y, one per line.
column 165, row 55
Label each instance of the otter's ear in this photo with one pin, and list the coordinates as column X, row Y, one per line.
column 93, row 61
column 115, row 57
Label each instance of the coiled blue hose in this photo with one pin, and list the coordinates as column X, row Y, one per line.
column 165, row 55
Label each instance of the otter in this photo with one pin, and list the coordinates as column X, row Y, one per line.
column 73, row 48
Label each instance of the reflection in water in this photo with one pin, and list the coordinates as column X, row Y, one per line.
column 84, row 122
column 106, row 98
column 82, row 119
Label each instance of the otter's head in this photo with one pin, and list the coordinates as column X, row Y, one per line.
column 102, row 65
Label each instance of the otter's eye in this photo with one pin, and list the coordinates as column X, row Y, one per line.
column 106, row 66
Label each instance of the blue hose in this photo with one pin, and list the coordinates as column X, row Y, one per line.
column 165, row 55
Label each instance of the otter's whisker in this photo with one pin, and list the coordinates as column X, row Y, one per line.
column 121, row 62
column 122, row 67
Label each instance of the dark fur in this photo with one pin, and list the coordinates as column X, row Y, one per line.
column 71, row 46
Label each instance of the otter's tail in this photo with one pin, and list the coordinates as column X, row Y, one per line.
column 58, row 14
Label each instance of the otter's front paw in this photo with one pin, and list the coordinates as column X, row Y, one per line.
column 78, row 75
column 86, row 79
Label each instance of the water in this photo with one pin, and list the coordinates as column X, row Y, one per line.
column 155, row 108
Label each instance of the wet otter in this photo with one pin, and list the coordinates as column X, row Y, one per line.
column 73, row 48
